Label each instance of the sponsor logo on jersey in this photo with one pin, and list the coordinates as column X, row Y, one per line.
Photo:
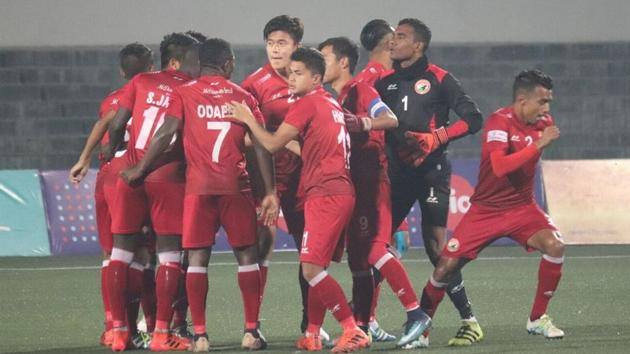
column 432, row 197
column 392, row 87
column 422, row 86
column 221, row 91
column 164, row 87
column 515, row 138
column 452, row 245
column 497, row 135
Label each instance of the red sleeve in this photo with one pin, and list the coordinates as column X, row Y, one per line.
column 299, row 114
column 176, row 106
column 128, row 94
column 109, row 104
column 496, row 142
column 459, row 129
column 253, row 105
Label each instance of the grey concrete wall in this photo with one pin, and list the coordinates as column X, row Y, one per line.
column 98, row 22
column 49, row 97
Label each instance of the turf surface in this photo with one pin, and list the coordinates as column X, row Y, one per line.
column 52, row 304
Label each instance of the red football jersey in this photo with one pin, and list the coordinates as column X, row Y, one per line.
column 272, row 93
column 325, row 144
column 214, row 143
column 368, row 148
column 109, row 104
column 504, row 131
column 372, row 72
column 148, row 96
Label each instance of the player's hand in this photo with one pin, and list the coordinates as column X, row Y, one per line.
column 241, row 112
column 107, row 154
column 132, row 175
column 356, row 124
column 420, row 145
column 548, row 136
column 270, row 209
column 78, row 171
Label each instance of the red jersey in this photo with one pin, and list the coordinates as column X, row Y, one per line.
column 505, row 132
column 272, row 93
column 325, row 144
column 214, row 143
column 110, row 104
column 148, row 96
column 372, row 72
column 368, row 148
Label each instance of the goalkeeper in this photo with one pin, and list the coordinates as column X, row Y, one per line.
column 421, row 95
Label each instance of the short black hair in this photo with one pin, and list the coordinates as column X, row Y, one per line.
column 175, row 46
column 291, row 25
column 373, row 32
column 215, row 52
column 528, row 80
column 197, row 35
column 312, row 59
column 343, row 47
column 135, row 58
column 422, row 31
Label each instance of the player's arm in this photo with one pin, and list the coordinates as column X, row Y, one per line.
column 81, row 167
column 503, row 163
column 159, row 143
column 116, row 132
column 471, row 119
column 295, row 147
column 270, row 205
column 270, row 141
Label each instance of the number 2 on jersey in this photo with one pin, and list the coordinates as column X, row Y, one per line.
column 223, row 128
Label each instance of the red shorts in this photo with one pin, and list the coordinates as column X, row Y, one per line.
column 103, row 201
column 204, row 214
column 163, row 202
column 480, row 227
column 325, row 219
column 371, row 223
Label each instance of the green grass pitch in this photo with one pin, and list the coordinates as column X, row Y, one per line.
column 52, row 304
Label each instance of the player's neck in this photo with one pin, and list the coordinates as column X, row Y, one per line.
column 283, row 73
column 409, row 62
column 341, row 81
column 214, row 72
column 381, row 57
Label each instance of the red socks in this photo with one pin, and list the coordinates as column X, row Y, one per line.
column 549, row 273
column 167, row 288
column 249, row 283
column 197, row 290
column 396, row 276
column 432, row 296
column 105, row 296
column 332, row 297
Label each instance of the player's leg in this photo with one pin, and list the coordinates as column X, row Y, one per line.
column 238, row 217
column 200, row 224
column 179, row 326
column 434, row 197
column 358, row 249
column 544, row 237
column 326, row 217
column 149, row 300
column 166, row 201
column 266, row 238
column 105, row 237
column 128, row 212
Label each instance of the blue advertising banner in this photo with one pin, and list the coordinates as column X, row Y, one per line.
column 71, row 213
column 23, row 229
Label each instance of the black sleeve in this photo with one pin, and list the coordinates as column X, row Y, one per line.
column 462, row 104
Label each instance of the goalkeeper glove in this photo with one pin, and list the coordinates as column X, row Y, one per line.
column 356, row 124
column 420, row 145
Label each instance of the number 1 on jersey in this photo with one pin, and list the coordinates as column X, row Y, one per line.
column 223, row 128
column 405, row 101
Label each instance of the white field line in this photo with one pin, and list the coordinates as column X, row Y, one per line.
column 220, row 264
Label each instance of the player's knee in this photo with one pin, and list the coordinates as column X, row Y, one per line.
column 555, row 248
column 377, row 252
column 310, row 271
column 445, row 269
column 198, row 257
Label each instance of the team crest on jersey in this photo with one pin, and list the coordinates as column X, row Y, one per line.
column 453, row 245
column 422, row 86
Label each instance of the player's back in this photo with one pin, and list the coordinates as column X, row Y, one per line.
column 326, row 144
column 214, row 143
column 505, row 132
column 368, row 148
column 148, row 96
column 372, row 72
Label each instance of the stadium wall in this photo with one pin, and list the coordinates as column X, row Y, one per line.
column 49, row 97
